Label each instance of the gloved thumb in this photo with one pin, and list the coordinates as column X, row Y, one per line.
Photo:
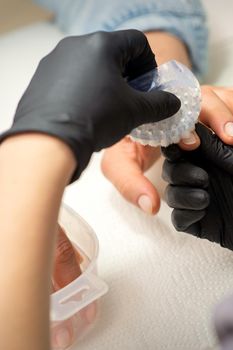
column 154, row 105
column 213, row 149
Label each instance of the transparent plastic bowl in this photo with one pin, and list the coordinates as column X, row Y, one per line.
column 75, row 306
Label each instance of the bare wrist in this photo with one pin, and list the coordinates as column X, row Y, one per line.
column 167, row 46
column 35, row 169
column 46, row 155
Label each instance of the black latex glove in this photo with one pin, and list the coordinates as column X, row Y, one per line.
column 79, row 93
column 201, row 188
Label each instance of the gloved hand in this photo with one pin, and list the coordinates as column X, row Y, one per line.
column 201, row 188
column 79, row 93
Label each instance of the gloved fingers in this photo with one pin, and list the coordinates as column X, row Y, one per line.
column 216, row 113
column 152, row 106
column 173, row 153
column 132, row 52
column 195, row 229
column 179, row 197
column 214, row 149
column 183, row 220
column 185, row 174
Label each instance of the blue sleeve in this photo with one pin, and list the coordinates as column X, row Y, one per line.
column 184, row 18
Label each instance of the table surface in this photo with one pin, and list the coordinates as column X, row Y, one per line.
column 162, row 284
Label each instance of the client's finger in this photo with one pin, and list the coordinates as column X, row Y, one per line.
column 66, row 263
column 216, row 114
column 124, row 164
column 191, row 142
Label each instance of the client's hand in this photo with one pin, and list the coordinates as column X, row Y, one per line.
column 201, row 188
column 124, row 164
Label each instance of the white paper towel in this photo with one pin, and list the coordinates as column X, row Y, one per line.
column 163, row 284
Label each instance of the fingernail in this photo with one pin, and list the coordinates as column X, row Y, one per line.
column 63, row 338
column 189, row 140
column 145, row 204
column 229, row 128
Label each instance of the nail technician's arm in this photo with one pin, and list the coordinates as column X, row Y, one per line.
column 55, row 131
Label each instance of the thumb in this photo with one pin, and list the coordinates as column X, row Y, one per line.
column 214, row 149
column 155, row 105
column 124, row 165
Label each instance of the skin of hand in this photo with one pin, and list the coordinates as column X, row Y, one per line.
column 134, row 159
column 35, row 169
column 67, row 262
column 54, row 133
